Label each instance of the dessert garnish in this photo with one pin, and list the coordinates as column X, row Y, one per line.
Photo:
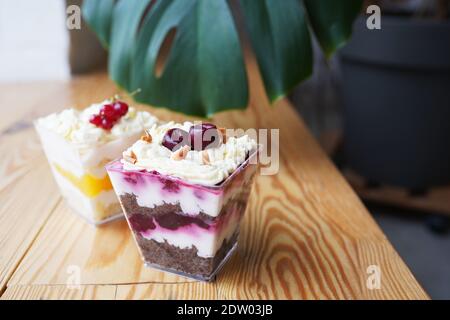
column 203, row 136
column 147, row 137
column 171, row 153
column 200, row 137
column 109, row 114
column 205, row 157
column 175, row 138
column 181, row 153
column 223, row 133
column 130, row 157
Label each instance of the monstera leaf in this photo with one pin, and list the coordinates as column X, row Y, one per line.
column 203, row 71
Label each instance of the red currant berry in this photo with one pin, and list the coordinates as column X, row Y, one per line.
column 121, row 108
column 109, row 112
column 107, row 124
column 96, row 120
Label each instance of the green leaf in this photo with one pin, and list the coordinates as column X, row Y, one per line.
column 280, row 38
column 98, row 16
column 126, row 19
column 332, row 21
column 204, row 72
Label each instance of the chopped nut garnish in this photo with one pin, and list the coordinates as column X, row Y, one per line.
column 147, row 138
column 181, row 153
column 130, row 158
column 223, row 132
column 205, row 157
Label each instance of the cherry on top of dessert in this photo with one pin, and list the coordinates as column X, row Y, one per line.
column 200, row 137
column 203, row 136
column 109, row 115
column 175, row 139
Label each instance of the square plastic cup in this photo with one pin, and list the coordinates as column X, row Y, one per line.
column 81, row 176
column 180, row 227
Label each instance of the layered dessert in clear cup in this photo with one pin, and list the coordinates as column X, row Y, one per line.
column 184, row 200
column 78, row 144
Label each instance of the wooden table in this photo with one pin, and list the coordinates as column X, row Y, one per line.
column 305, row 235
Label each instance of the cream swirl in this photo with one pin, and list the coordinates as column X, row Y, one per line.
column 223, row 159
column 74, row 126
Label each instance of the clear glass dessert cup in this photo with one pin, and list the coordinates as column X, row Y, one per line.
column 81, row 175
column 180, row 227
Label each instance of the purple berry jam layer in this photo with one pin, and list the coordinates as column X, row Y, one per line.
column 169, row 224
column 153, row 189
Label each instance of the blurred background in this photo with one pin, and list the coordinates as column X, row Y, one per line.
column 380, row 108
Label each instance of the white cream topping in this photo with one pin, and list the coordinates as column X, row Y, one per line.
column 223, row 159
column 74, row 126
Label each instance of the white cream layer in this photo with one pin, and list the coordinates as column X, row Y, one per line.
column 151, row 193
column 207, row 242
column 80, row 161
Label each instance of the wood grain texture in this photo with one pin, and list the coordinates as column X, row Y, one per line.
column 171, row 291
column 27, row 194
column 24, row 178
column 104, row 255
column 59, row 293
column 305, row 234
column 167, row 291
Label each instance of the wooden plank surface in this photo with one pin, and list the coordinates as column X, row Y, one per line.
column 305, row 233
column 59, row 292
column 177, row 291
column 154, row 291
column 23, row 172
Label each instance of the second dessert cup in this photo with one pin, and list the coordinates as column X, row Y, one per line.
column 79, row 168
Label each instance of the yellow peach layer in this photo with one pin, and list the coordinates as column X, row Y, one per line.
column 89, row 185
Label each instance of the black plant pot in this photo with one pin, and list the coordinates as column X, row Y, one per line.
column 396, row 91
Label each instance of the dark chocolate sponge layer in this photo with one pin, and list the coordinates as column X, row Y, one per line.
column 183, row 260
column 171, row 216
